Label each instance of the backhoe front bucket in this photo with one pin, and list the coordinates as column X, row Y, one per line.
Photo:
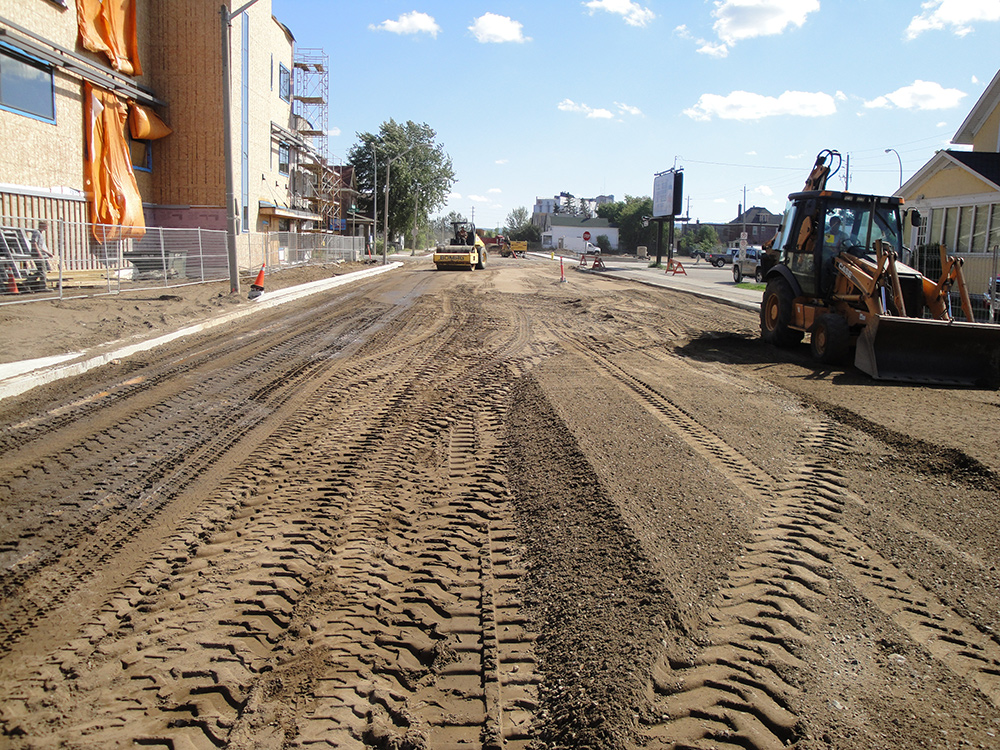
column 934, row 352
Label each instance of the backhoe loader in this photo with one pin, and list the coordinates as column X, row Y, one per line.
column 833, row 271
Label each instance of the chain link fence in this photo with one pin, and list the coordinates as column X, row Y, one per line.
column 46, row 259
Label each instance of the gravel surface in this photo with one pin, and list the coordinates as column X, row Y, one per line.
column 487, row 509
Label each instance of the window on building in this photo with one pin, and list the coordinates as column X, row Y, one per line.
column 26, row 85
column 283, row 158
column 284, row 82
column 141, row 153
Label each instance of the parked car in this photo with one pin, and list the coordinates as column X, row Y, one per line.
column 720, row 257
column 746, row 264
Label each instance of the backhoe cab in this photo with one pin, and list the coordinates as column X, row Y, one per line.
column 834, row 271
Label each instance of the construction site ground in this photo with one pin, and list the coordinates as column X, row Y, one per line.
column 490, row 509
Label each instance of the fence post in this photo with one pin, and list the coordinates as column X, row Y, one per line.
column 201, row 256
column 163, row 258
column 61, row 234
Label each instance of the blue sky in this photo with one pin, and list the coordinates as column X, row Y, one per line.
column 594, row 97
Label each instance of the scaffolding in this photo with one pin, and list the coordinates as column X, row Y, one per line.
column 311, row 109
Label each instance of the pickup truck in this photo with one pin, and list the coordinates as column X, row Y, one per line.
column 720, row 258
column 746, row 264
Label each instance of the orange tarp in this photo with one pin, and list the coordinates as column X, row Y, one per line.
column 108, row 26
column 109, row 180
column 145, row 124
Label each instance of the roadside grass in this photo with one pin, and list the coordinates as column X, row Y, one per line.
column 753, row 286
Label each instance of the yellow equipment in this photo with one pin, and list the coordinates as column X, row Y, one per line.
column 833, row 271
column 465, row 252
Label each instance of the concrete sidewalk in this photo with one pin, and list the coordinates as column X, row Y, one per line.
column 699, row 279
column 18, row 377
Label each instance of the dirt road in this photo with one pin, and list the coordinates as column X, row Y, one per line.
column 489, row 509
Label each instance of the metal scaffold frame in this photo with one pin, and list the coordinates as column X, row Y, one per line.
column 311, row 106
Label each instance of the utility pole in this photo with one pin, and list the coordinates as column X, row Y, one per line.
column 227, row 149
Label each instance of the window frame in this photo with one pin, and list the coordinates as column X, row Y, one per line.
column 284, row 82
column 25, row 58
column 287, row 148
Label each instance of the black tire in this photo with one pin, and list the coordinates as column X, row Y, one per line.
column 830, row 338
column 737, row 274
column 758, row 275
column 719, row 263
column 776, row 310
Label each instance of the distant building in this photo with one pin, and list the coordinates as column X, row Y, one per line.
column 565, row 204
column 566, row 233
column 759, row 224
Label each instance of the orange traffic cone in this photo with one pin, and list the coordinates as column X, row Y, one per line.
column 257, row 288
column 10, row 282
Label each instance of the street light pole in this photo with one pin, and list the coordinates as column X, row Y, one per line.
column 227, row 114
column 374, row 197
column 900, row 164
column 385, row 211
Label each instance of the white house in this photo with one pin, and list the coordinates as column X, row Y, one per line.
column 571, row 233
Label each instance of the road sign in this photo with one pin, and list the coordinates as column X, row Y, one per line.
column 586, row 236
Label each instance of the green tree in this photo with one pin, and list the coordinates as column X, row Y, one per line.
column 629, row 215
column 420, row 176
column 702, row 239
column 517, row 218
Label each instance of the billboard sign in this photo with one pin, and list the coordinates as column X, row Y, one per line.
column 667, row 194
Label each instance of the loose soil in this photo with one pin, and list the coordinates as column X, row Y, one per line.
column 487, row 509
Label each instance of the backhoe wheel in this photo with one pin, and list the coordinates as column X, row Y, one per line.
column 776, row 315
column 737, row 275
column 830, row 339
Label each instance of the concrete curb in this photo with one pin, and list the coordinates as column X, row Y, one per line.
column 33, row 373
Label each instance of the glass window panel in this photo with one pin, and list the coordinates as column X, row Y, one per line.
column 936, row 227
column 26, row 86
column 978, row 244
column 964, row 229
column 950, row 229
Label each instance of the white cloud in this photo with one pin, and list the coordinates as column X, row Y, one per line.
column 501, row 161
column 712, row 50
column 627, row 109
column 919, row 95
column 568, row 105
column 763, row 190
column 633, row 13
column 705, row 47
column 414, row 22
column 959, row 15
column 478, row 198
column 744, row 105
column 746, row 19
column 334, row 131
column 491, row 28
column 495, row 190
column 454, row 196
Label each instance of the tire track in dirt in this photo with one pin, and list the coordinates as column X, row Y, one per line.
column 170, row 563
column 266, row 569
column 113, row 498
column 733, row 695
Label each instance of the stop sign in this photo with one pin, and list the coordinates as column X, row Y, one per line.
column 586, row 235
